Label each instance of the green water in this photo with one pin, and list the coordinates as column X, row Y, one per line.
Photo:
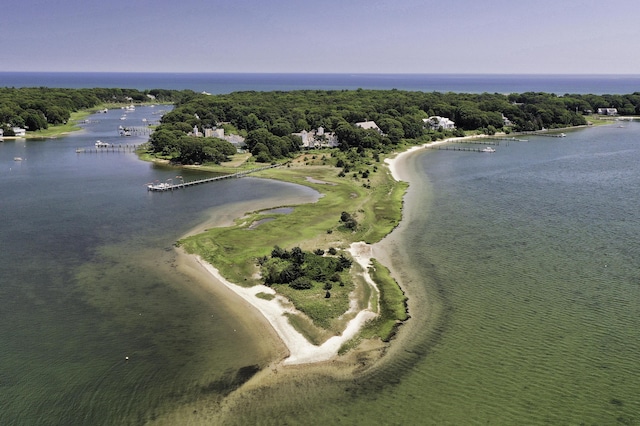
column 521, row 267
column 522, row 271
column 89, row 277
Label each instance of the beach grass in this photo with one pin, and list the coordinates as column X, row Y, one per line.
column 375, row 203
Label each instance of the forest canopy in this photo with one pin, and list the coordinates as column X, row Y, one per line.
column 35, row 108
column 268, row 119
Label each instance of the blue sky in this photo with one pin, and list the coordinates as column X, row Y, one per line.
column 350, row 36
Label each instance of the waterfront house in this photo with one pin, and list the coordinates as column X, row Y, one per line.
column 608, row 111
column 317, row 138
column 436, row 122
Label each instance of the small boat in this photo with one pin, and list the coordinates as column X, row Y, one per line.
column 17, row 158
column 488, row 149
column 100, row 144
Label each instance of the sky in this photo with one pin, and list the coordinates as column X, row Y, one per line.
column 322, row 36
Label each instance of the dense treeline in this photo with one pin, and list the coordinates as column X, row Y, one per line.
column 35, row 108
column 268, row 119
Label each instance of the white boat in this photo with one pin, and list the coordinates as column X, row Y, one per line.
column 100, row 144
column 17, row 158
column 488, row 149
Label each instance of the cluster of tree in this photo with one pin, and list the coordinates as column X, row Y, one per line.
column 271, row 117
column 303, row 270
column 190, row 150
column 35, row 108
column 348, row 221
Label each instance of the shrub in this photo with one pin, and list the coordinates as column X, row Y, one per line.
column 301, row 283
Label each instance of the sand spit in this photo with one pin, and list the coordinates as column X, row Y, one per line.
column 301, row 351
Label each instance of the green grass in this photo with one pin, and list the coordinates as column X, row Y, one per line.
column 53, row 131
column 393, row 308
column 234, row 250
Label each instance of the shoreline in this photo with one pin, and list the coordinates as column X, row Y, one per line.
column 275, row 310
column 299, row 350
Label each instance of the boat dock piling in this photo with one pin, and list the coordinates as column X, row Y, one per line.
column 170, row 186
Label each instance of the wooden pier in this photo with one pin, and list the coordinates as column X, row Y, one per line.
column 546, row 135
column 108, row 149
column 134, row 130
column 459, row 148
column 170, row 186
column 480, row 142
column 507, row 139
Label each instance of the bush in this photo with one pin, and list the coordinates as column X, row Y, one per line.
column 301, row 283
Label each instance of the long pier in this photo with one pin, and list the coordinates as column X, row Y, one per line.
column 111, row 148
column 459, row 148
column 546, row 135
column 170, row 186
column 481, row 142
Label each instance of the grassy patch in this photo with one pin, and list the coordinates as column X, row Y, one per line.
column 304, row 326
column 266, row 296
column 71, row 126
column 376, row 205
column 393, row 308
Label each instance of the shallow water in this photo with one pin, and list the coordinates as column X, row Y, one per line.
column 89, row 277
column 521, row 267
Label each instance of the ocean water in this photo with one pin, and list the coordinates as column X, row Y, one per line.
column 521, row 267
column 218, row 83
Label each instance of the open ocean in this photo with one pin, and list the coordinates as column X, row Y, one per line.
column 522, row 267
column 218, row 83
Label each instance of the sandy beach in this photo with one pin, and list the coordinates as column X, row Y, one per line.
column 274, row 311
column 300, row 350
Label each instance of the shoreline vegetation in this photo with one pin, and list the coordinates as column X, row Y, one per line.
column 317, row 311
column 312, row 333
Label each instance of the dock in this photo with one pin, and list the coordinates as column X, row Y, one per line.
column 111, row 148
column 458, row 148
column 170, row 186
column 480, row 142
column 134, row 130
column 547, row 135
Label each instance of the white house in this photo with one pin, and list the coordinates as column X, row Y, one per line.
column 435, row 122
column 19, row 131
column 317, row 138
column 608, row 111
